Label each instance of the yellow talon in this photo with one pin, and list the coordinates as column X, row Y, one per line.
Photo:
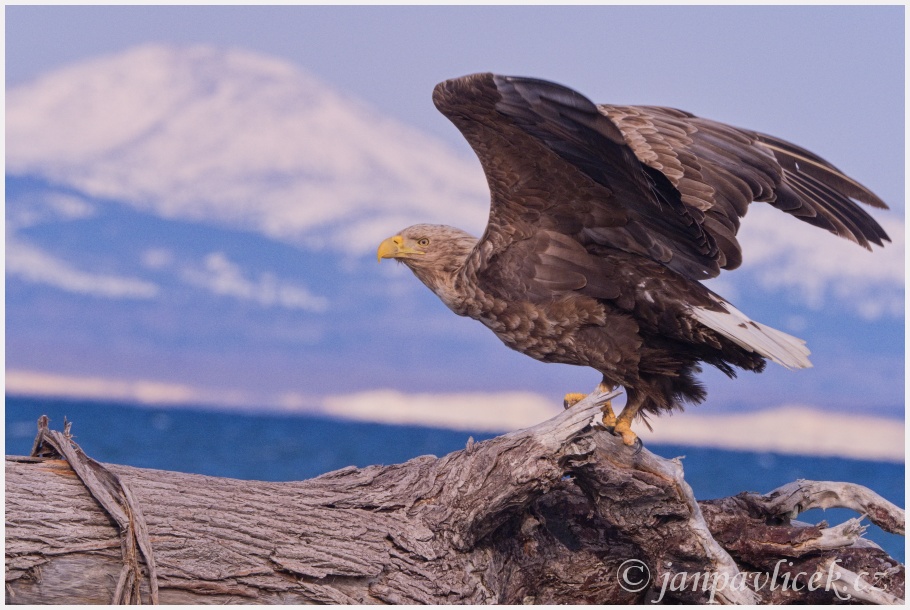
column 609, row 418
column 620, row 426
column 623, row 430
column 571, row 399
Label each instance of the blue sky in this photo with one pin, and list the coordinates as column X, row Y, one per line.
column 202, row 219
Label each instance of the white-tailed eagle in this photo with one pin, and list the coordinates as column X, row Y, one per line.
column 603, row 219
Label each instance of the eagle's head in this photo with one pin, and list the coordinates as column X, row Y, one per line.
column 433, row 252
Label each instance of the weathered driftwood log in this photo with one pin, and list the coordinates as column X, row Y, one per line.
column 559, row 513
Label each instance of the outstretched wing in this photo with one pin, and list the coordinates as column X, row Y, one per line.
column 569, row 178
column 721, row 169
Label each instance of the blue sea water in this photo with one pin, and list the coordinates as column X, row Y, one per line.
column 278, row 447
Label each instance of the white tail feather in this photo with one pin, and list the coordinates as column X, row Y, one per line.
column 784, row 349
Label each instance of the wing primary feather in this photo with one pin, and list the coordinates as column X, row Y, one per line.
column 830, row 202
column 859, row 221
column 833, row 207
column 821, row 169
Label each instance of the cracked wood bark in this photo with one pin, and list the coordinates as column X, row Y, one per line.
column 552, row 514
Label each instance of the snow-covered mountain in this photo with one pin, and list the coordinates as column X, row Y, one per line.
column 234, row 138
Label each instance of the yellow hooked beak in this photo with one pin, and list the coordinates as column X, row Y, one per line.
column 394, row 247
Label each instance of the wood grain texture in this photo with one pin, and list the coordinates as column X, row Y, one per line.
column 544, row 515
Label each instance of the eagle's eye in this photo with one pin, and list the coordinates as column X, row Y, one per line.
column 423, row 242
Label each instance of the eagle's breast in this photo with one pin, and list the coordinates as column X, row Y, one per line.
column 545, row 330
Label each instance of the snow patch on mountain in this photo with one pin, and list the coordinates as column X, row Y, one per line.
column 235, row 138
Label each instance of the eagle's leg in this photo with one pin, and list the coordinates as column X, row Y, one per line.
column 606, row 407
column 623, row 426
column 609, row 418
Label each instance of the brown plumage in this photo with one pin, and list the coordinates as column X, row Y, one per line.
column 602, row 221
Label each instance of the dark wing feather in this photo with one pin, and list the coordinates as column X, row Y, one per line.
column 743, row 166
column 828, row 192
column 658, row 223
column 655, row 182
column 548, row 172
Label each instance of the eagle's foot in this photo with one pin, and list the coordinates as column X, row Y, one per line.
column 572, row 398
column 624, row 431
column 606, row 407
